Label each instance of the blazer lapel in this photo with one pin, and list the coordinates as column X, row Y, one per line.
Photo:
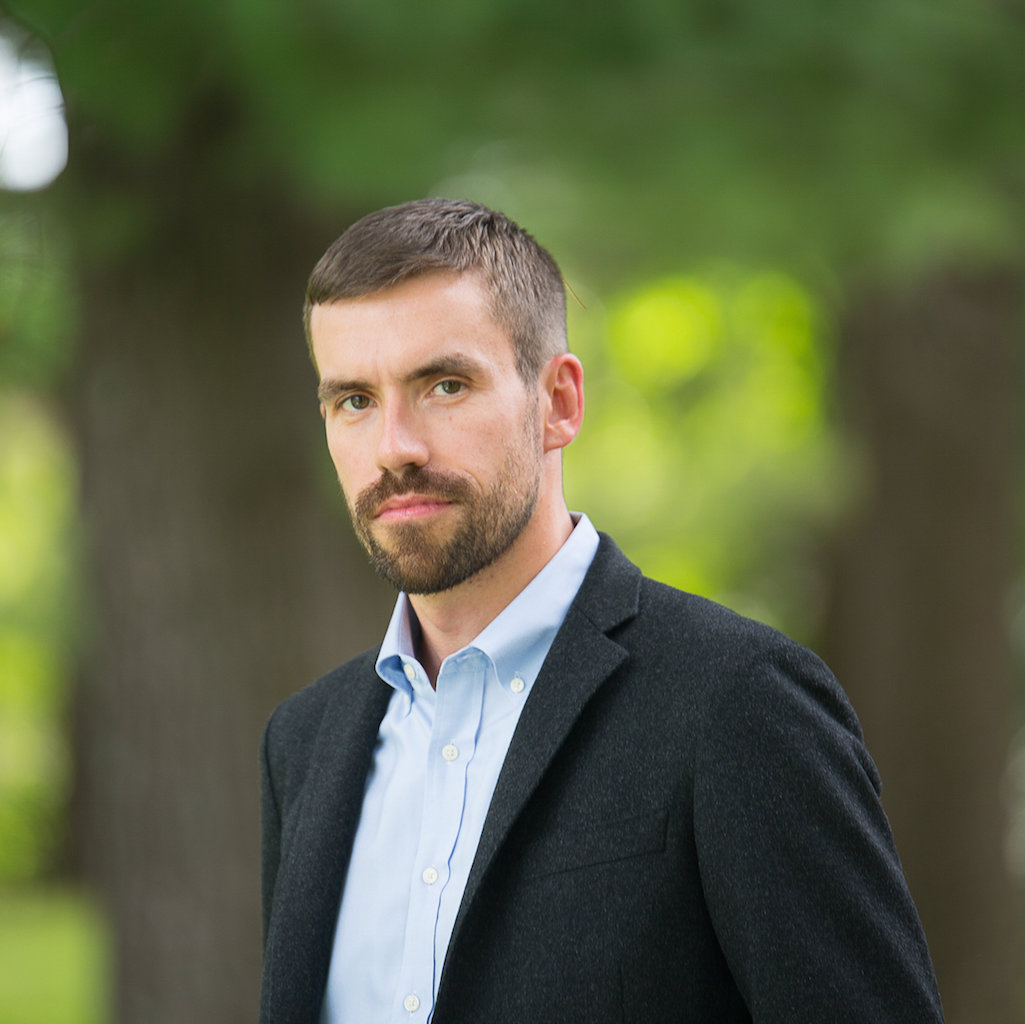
column 312, row 875
column 581, row 658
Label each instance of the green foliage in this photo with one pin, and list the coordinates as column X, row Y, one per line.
column 36, row 510
column 706, row 447
column 35, row 298
column 53, row 958
column 881, row 133
column 36, row 495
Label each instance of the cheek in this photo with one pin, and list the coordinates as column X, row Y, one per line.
column 342, row 456
column 501, row 443
column 334, row 449
column 477, row 449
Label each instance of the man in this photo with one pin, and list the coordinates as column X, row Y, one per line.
column 558, row 791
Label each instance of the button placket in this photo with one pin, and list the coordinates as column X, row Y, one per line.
column 456, row 720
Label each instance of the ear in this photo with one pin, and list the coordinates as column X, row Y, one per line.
column 562, row 390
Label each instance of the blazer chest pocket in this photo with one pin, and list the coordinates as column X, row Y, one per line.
column 581, row 845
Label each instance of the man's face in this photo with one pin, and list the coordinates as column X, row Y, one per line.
column 433, row 433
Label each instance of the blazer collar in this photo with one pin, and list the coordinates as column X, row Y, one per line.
column 610, row 593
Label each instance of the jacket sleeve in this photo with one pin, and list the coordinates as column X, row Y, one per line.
column 801, row 876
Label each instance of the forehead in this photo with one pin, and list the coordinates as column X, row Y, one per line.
column 426, row 316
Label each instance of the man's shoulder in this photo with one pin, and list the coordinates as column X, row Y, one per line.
column 694, row 616
column 699, row 631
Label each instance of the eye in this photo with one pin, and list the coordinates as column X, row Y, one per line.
column 354, row 403
column 449, row 387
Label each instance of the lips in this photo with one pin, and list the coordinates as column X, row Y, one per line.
column 416, row 494
column 410, row 506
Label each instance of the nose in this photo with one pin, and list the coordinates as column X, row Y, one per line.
column 401, row 441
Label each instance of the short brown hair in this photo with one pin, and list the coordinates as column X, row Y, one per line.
column 525, row 286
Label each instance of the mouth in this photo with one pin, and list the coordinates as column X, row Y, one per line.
column 405, row 507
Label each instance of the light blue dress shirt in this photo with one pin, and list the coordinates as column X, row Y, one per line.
column 434, row 771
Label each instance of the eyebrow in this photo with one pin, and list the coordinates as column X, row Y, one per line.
column 455, row 365
column 332, row 387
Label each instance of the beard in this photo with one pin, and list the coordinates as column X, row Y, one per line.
column 427, row 558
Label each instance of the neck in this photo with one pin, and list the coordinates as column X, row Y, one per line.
column 451, row 619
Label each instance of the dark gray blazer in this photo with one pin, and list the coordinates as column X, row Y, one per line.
column 686, row 828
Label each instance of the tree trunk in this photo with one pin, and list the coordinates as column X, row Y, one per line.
column 223, row 574
column 919, row 629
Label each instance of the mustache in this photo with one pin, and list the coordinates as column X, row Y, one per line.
column 414, row 480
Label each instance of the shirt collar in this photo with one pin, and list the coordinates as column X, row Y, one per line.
column 517, row 640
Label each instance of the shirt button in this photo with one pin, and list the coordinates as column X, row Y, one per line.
column 450, row 751
column 430, row 876
column 410, row 671
column 517, row 684
column 411, row 1003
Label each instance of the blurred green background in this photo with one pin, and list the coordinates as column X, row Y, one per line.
column 795, row 237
